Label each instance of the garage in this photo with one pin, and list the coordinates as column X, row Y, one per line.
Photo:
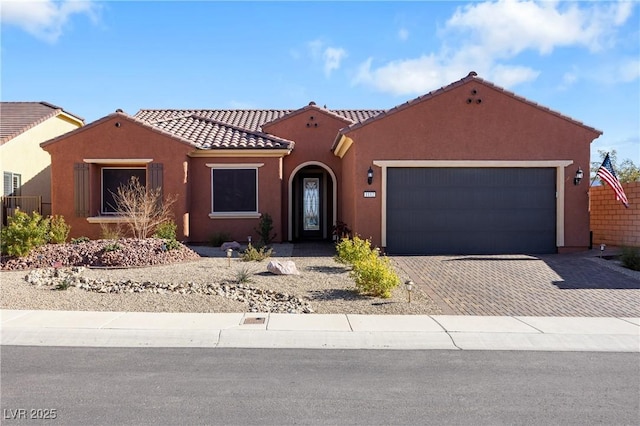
column 475, row 210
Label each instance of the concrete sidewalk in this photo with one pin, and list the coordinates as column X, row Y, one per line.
column 340, row 331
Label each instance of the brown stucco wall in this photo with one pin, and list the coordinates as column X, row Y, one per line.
column 104, row 140
column 446, row 127
column 203, row 228
column 313, row 131
column 611, row 222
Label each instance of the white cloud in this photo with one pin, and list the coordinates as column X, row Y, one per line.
column 487, row 37
column 44, row 19
column 403, row 34
column 331, row 57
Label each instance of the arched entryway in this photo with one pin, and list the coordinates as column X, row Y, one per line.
column 312, row 202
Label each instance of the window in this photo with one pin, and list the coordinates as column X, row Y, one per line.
column 12, row 183
column 112, row 179
column 234, row 189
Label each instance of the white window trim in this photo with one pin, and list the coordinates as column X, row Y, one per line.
column 102, row 169
column 235, row 166
column 559, row 165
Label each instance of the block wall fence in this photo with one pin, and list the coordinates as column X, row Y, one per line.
column 611, row 222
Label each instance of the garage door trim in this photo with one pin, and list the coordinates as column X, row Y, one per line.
column 558, row 164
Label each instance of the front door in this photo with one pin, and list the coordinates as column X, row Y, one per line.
column 310, row 217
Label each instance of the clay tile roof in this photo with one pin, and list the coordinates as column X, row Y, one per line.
column 231, row 129
column 206, row 133
column 18, row 117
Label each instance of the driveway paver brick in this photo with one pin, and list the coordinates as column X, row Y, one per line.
column 522, row 285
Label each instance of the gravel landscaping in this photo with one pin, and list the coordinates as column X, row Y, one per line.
column 142, row 276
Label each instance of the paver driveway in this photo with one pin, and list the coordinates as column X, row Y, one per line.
column 546, row 285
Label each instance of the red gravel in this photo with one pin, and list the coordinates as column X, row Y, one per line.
column 127, row 252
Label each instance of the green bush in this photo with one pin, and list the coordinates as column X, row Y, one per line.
column 251, row 254
column 166, row 230
column 23, row 233
column 219, row 238
column 374, row 276
column 630, row 258
column 58, row 230
column 243, row 276
column 350, row 251
column 265, row 226
column 80, row 240
column 112, row 247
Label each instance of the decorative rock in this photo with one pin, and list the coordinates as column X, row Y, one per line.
column 288, row 267
column 233, row 245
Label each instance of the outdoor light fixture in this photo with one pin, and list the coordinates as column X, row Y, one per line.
column 229, row 253
column 409, row 285
column 602, row 247
column 369, row 175
column 578, row 178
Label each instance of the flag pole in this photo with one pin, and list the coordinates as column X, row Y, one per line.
column 596, row 175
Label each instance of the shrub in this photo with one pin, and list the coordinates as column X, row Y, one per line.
column 112, row 247
column 166, row 230
column 340, row 230
column 58, row 229
column 350, row 251
column 80, row 240
column 112, row 231
column 144, row 208
column 219, row 238
column 251, row 254
column 243, row 276
column 23, row 233
column 265, row 226
column 630, row 258
column 172, row 244
column 374, row 276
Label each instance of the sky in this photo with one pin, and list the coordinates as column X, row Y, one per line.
column 581, row 59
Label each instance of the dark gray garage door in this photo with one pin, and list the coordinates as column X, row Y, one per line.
column 471, row 210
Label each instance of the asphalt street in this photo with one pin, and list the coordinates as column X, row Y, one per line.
column 167, row 386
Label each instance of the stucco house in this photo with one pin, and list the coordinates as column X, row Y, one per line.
column 467, row 168
column 25, row 166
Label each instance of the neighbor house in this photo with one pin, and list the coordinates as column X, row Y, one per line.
column 25, row 166
column 467, row 168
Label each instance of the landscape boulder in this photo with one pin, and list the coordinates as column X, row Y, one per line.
column 233, row 245
column 287, row 267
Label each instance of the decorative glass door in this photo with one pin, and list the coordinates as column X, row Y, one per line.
column 311, row 204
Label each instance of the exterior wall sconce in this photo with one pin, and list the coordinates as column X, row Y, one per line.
column 579, row 176
column 369, row 175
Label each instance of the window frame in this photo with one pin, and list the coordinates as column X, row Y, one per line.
column 15, row 186
column 235, row 214
column 103, row 212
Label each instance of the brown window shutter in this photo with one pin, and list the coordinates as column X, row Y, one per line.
column 155, row 176
column 81, row 189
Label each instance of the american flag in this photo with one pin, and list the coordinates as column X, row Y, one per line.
column 606, row 173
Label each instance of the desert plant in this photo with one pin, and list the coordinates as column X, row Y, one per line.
column 264, row 229
column 374, row 276
column 243, row 275
column 112, row 231
column 112, row 247
column 58, row 229
column 64, row 285
column 256, row 255
column 80, row 240
column 219, row 238
column 166, row 230
column 352, row 250
column 144, row 208
column 340, row 230
column 23, row 233
column 630, row 257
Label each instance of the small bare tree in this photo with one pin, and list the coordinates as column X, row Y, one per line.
column 144, row 208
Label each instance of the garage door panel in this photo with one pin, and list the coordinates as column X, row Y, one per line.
column 470, row 210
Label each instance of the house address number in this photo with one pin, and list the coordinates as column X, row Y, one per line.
column 369, row 194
